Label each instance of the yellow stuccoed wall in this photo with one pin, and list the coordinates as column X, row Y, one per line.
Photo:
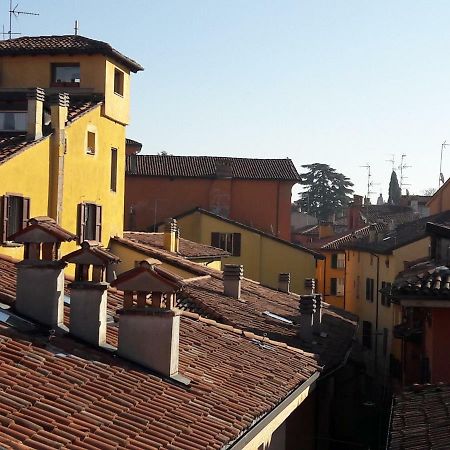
column 324, row 273
column 27, row 174
column 263, row 258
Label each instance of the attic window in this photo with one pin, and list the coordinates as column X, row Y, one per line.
column 90, row 143
column 118, row 82
column 66, row 74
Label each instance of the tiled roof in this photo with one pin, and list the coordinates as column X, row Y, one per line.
column 348, row 238
column 11, row 146
column 420, row 419
column 129, row 141
column 209, row 166
column 58, row 391
column 316, row 254
column 387, row 213
column 403, row 234
column 63, row 45
column 188, row 249
column 46, row 224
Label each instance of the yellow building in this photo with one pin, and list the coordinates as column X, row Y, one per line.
column 263, row 255
column 371, row 265
column 62, row 142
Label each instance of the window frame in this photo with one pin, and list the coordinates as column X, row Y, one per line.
column 229, row 242
column 89, row 150
column 22, row 220
column 370, row 283
column 121, row 76
column 54, row 83
column 114, row 166
column 83, row 217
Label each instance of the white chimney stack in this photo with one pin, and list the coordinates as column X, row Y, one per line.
column 35, row 112
column 284, row 281
column 232, row 278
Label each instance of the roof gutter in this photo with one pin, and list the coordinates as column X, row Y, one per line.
column 291, row 402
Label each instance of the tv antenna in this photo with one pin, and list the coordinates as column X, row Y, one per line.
column 441, row 175
column 392, row 161
column 370, row 183
column 14, row 12
column 402, row 168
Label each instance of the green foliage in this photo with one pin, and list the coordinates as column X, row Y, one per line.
column 326, row 192
column 395, row 193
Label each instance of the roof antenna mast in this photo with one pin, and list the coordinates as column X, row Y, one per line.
column 402, row 168
column 13, row 11
column 441, row 175
column 76, row 28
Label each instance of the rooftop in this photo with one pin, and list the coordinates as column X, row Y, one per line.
column 420, row 418
column 58, row 390
column 63, row 45
column 188, row 249
column 211, row 167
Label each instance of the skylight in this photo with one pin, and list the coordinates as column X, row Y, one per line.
column 277, row 317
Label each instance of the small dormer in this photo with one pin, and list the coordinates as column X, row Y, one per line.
column 73, row 64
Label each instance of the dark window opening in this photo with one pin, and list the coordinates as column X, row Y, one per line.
column 369, row 289
column 90, row 143
column 114, row 169
column 333, row 286
column 66, row 74
column 15, row 214
column 118, row 82
column 230, row 242
column 367, row 334
column 89, row 222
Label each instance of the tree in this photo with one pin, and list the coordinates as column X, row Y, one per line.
column 395, row 193
column 326, row 192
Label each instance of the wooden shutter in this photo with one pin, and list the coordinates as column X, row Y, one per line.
column 25, row 212
column 4, row 222
column 98, row 223
column 367, row 288
column 334, row 258
column 333, row 286
column 215, row 240
column 81, row 222
column 236, row 244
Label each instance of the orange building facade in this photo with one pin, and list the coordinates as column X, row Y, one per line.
column 254, row 192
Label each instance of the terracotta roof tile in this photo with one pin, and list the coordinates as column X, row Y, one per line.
column 211, row 166
column 63, row 45
column 188, row 249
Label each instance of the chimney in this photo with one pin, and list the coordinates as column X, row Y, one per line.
column 88, row 292
column 354, row 213
column 326, row 229
column 59, row 109
column 232, row 277
column 170, row 235
column 372, row 233
column 40, row 276
column 307, row 309
column 317, row 316
column 284, row 281
column 149, row 325
column 310, row 285
column 35, row 100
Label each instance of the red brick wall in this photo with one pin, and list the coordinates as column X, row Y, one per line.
column 263, row 204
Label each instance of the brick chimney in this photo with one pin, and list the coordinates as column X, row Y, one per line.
column 307, row 309
column 88, row 292
column 284, row 281
column 232, row 278
column 149, row 325
column 171, row 236
column 35, row 100
column 354, row 213
column 40, row 276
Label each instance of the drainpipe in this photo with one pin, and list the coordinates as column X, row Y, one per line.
column 278, row 211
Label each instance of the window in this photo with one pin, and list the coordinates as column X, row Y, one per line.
column 118, row 82
column 90, row 143
column 337, row 286
column 230, row 242
column 367, row 334
column 358, row 285
column 15, row 215
column 338, row 261
column 385, row 290
column 89, row 222
column 114, row 169
column 334, row 260
column 13, row 120
column 66, row 74
column 369, row 289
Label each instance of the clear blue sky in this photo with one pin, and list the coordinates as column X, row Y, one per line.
column 340, row 82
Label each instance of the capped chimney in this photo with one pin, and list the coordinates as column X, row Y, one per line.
column 149, row 325
column 35, row 100
column 284, row 281
column 310, row 285
column 88, row 292
column 307, row 307
column 171, row 236
column 40, row 276
column 232, row 278
column 317, row 316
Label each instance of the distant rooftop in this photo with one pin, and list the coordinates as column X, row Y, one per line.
column 63, row 45
column 211, row 167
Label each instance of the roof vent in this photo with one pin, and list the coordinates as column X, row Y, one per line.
column 284, row 281
column 232, row 278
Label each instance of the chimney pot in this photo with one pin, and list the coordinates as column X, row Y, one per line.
column 307, row 308
column 317, row 316
column 232, row 277
column 310, row 285
column 284, row 281
column 35, row 111
column 171, row 235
